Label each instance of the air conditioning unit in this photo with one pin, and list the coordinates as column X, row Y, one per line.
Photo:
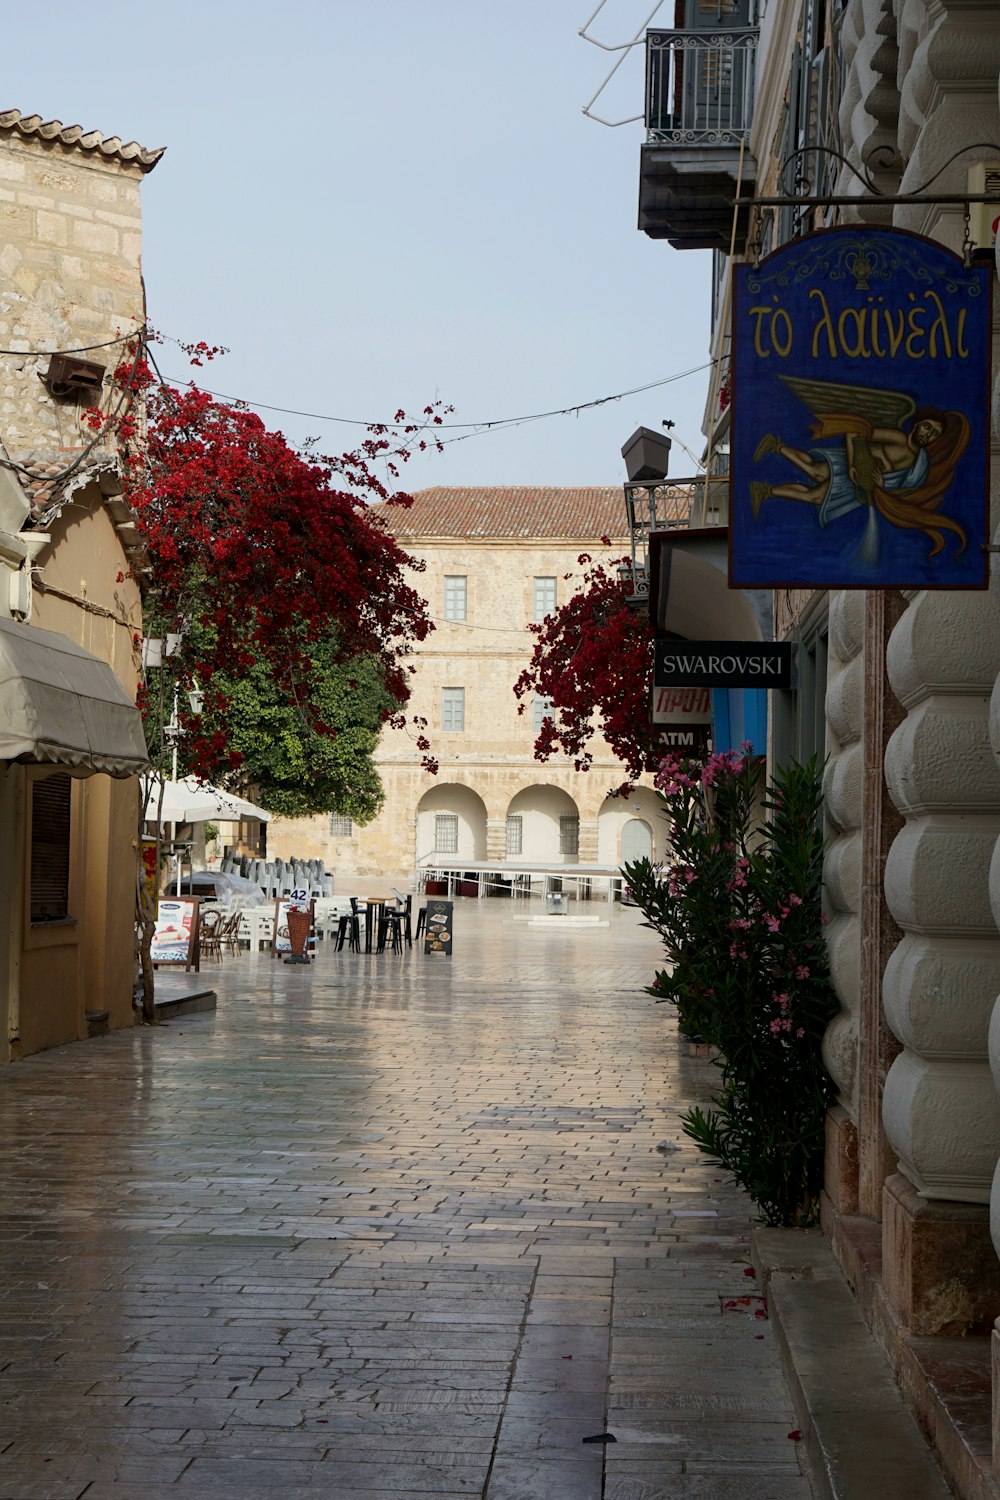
column 19, row 593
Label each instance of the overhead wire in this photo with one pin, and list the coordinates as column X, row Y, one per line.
column 469, row 429
column 123, row 338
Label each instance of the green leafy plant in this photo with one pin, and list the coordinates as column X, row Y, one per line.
column 740, row 917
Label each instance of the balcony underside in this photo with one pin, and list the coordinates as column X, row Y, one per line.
column 686, row 195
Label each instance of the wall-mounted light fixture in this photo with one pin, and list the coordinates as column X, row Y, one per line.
column 69, row 376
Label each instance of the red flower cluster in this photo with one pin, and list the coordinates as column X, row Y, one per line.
column 593, row 660
column 253, row 550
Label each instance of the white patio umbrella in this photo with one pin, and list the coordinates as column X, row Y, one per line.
column 190, row 801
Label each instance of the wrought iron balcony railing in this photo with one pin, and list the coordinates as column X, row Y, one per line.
column 700, row 86
column 677, row 505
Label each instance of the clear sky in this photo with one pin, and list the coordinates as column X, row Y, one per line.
column 376, row 203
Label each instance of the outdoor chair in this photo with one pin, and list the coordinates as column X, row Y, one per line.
column 405, row 912
column 209, row 933
column 229, row 931
column 349, row 929
column 421, row 921
column 390, row 929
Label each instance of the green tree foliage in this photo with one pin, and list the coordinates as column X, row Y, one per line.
column 296, row 758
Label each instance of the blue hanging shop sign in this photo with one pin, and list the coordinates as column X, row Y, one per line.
column 861, row 413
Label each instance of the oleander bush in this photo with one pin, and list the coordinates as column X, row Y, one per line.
column 739, row 913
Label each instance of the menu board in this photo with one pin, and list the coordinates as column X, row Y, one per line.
column 439, row 929
column 281, row 942
column 175, row 937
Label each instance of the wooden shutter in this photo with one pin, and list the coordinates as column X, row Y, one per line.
column 50, row 836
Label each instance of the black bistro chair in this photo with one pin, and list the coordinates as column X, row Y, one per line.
column 349, row 929
column 405, row 912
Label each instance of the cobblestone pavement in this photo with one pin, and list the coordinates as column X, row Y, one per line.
column 389, row 1228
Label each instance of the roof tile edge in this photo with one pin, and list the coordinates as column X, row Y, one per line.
column 13, row 121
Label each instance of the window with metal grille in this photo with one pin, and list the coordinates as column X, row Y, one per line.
column 340, row 828
column 452, row 708
column 50, row 839
column 541, row 708
column 545, row 598
column 569, row 835
column 455, row 596
column 446, row 833
column 515, row 834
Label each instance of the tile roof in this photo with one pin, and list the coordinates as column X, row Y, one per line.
column 12, row 120
column 511, row 511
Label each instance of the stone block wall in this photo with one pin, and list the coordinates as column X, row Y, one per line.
column 70, row 241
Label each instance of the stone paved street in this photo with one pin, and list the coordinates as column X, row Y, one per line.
column 390, row 1228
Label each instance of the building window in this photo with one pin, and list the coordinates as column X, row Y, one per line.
column 545, row 598
column 515, row 834
column 340, row 828
column 541, row 708
column 50, row 836
column 455, row 596
column 453, row 708
column 800, row 715
column 569, row 836
column 446, row 833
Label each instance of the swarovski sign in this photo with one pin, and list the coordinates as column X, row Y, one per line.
column 723, row 664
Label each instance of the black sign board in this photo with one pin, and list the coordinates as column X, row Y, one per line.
column 692, row 739
column 723, row 664
column 439, row 929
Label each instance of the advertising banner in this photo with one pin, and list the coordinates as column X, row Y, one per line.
column 440, row 927
column 281, row 942
column 861, row 402
column 175, row 937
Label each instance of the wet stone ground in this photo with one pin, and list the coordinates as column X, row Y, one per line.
column 389, row 1228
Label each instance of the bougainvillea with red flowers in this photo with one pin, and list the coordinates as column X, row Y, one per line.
column 253, row 549
column 593, row 661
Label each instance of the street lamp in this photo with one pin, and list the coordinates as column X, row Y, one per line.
column 647, row 458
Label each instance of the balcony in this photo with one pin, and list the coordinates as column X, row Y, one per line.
column 699, row 105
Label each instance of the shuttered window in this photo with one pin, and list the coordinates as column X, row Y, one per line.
column 50, row 833
column 452, row 708
column 544, row 598
column 455, row 596
column 541, row 709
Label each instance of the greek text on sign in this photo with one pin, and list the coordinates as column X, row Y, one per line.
column 723, row 664
column 860, row 378
column 682, row 707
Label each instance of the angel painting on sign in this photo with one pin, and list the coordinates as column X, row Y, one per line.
column 892, row 457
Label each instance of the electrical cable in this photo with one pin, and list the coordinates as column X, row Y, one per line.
column 111, row 426
column 77, row 349
column 476, row 429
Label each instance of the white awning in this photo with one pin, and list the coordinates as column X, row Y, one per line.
column 60, row 704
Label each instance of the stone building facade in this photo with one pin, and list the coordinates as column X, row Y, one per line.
column 901, row 692
column 70, row 615
column 495, row 560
